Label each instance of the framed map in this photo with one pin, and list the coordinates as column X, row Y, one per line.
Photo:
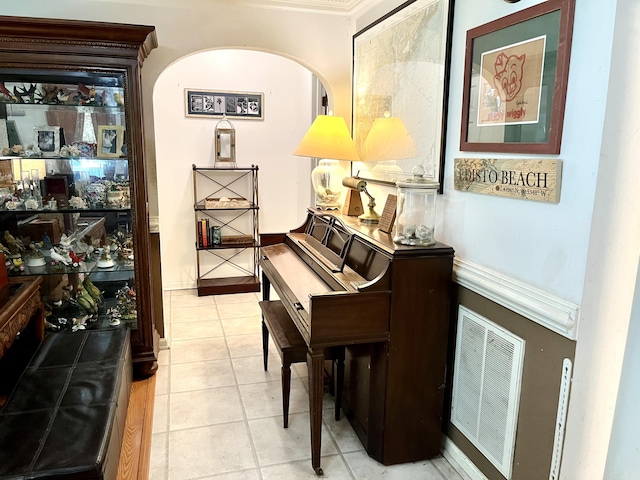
column 400, row 91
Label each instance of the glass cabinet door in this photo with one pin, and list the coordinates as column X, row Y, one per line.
column 66, row 194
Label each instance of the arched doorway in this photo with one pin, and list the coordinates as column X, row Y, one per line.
column 290, row 93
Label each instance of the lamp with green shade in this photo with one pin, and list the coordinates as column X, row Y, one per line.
column 328, row 139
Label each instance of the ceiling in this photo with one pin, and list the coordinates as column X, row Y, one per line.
column 345, row 7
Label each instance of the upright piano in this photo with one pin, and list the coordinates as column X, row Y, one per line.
column 344, row 283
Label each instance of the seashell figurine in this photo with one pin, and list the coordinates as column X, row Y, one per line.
column 77, row 202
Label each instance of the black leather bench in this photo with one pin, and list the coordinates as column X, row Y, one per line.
column 65, row 418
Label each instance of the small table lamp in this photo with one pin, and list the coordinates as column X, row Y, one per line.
column 370, row 216
column 328, row 139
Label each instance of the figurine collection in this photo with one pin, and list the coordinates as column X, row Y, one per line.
column 76, row 302
column 45, row 94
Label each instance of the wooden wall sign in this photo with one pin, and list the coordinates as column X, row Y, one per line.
column 527, row 179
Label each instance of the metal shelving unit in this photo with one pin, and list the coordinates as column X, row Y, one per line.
column 226, row 198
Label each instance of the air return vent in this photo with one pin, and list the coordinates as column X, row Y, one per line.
column 486, row 387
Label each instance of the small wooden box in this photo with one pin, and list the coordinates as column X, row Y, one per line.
column 36, row 228
column 237, row 239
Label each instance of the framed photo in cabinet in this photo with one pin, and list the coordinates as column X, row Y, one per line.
column 110, row 141
column 47, row 140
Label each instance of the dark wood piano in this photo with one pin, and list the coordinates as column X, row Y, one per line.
column 344, row 283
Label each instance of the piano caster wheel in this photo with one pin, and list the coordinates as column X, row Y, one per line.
column 319, row 471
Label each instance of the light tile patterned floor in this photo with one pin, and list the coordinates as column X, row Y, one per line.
column 218, row 414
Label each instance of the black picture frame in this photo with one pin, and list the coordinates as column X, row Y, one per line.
column 415, row 40
column 219, row 103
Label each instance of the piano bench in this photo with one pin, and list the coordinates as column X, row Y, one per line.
column 293, row 349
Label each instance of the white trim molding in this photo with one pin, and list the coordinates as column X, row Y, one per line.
column 541, row 307
column 459, row 461
column 154, row 224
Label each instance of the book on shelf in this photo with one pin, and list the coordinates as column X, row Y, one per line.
column 205, row 240
column 199, row 226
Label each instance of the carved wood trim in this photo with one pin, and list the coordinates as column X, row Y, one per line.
column 17, row 313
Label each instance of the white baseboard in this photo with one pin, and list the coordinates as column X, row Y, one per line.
column 537, row 305
column 460, row 461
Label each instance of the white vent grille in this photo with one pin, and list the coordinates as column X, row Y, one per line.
column 486, row 387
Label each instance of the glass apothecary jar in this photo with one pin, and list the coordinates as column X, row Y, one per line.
column 327, row 183
column 416, row 209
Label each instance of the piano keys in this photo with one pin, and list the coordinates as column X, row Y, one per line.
column 346, row 284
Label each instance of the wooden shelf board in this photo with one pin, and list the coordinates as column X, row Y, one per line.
column 220, row 286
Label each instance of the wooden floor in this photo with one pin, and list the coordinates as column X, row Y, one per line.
column 136, row 448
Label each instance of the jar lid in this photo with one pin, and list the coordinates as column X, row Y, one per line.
column 418, row 180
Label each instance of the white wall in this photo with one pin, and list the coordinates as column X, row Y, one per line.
column 542, row 245
column 609, row 324
column 284, row 180
column 623, row 459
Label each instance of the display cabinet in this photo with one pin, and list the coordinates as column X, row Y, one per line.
column 226, row 228
column 73, row 198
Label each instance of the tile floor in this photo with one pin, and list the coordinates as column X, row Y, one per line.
column 218, row 414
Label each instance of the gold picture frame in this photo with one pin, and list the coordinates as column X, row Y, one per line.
column 110, row 140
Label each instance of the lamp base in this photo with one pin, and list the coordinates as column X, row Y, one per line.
column 352, row 204
column 328, row 206
column 370, row 217
column 326, row 179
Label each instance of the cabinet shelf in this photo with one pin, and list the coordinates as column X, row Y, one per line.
column 85, row 267
column 64, row 210
column 219, row 262
column 90, row 108
column 91, row 159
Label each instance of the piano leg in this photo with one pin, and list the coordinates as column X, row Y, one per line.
column 265, row 344
column 339, row 380
column 266, row 287
column 315, row 364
